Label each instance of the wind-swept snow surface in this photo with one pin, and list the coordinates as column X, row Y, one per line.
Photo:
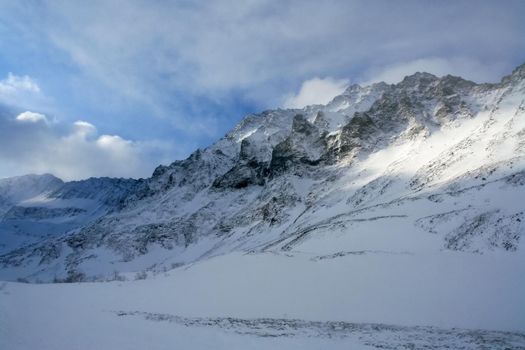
column 363, row 300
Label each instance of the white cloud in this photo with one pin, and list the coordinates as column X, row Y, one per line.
column 316, row 91
column 466, row 68
column 118, row 148
column 28, row 144
column 22, row 92
column 14, row 83
column 83, row 129
column 31, row 117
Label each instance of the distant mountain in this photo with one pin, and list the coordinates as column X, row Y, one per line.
column 18, row 189
column 37, row 207
column 427, row 164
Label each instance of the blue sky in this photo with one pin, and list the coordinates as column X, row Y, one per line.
column 118, row 87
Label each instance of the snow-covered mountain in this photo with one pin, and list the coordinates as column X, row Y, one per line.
column 391, row 217
column 34, row 208
column 18, row 189
column 426, row 165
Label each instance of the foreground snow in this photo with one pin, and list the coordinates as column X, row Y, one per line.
column 363, row 299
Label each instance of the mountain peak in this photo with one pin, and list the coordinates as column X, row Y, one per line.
column 517, row 75
column 353, row 88
column 519, row 71
column 418, row 78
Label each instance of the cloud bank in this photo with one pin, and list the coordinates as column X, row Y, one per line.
column 261, row 49
column 32, row 144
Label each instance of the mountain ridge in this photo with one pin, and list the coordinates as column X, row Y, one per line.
column 282, row 175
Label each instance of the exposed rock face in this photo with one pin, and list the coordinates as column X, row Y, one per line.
column 248, row 171
column 436, row 156
column 304, row 145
